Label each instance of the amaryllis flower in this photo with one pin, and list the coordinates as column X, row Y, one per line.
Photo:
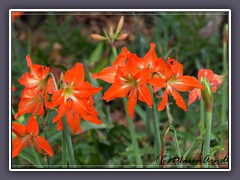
column 37, row 84
column 215, row 81
column 108, row 74
column 131, row 82
column 172, row 79
column 150, row 60
column 38, row 79
column 30, row 102
column 74, row 99
column 29, row 136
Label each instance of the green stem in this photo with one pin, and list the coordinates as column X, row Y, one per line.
column 202, row 119
column 206, row 149
column 114, row 51
column 46, row 137
column 224, row 88
column 156, row 124
column 133, row 136
column 54, row 81
column 64, row 152
column 67, row 136
column 38, row 161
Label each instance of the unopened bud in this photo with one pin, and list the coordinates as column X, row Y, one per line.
column 207, row 94
column 98, row 37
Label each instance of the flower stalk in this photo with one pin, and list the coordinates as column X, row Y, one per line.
column 133, row 136
column 156, row 123
column 207, row 96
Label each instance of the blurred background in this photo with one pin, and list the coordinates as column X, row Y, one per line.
column 58, row 40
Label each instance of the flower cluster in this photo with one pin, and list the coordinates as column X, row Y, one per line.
column 38, row 85
column 130, row 76
column 73, row 99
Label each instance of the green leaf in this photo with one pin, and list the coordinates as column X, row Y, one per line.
column 96, row 54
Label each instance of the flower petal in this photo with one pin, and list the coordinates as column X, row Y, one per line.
column 92, row 119
column 76, row 74
column 18, row 129
column 41, row 143
column 185, row 83
column 132, row 101
column 107, row 74
column 164, row 101
column 178, row 98
column 116, row 91
column 192, row 96
column 157, row 82
column 144, row 95
column 57, row 98
column 38, row 71
column 32, row 126
column 18, row 144
column 86, row 90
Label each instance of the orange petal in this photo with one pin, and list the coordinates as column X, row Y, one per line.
column 192, row 96
column 107, row 74
column 176, row 67
column 81, row 106
column 207, row 73
column 143, row 76
column 42, row 143
column 116, row 91
column 151, row 60
column 157, row 82
column 32, row 126
column 18, row 144
column 178, row 98
column 57, row 98
column 29, row 81
column 73, row 120
column 132, row 101
column 38, row 71
column 76, row 74
column 85, row 92
column 164, row 101
column 61, row 111
column 18, row 129
column 121, row 58
column 50, row 86
column 92, row 119
column 144, row 95
column 185, row 83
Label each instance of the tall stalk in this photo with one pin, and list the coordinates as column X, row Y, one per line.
column 156, row 124
column 224, row 88
column 133, row 136
column 206, row 149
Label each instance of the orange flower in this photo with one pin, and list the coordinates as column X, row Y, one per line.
column 150, row 60
column 75, row 100
column 37, row 86
column 38, row 79
column 16, row 15
column 131, row 82
column 108, row 74
column 172, row 79
column 29, row 136
column 30, row 102
column 215, row 81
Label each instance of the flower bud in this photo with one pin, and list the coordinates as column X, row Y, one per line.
column 207, row 94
